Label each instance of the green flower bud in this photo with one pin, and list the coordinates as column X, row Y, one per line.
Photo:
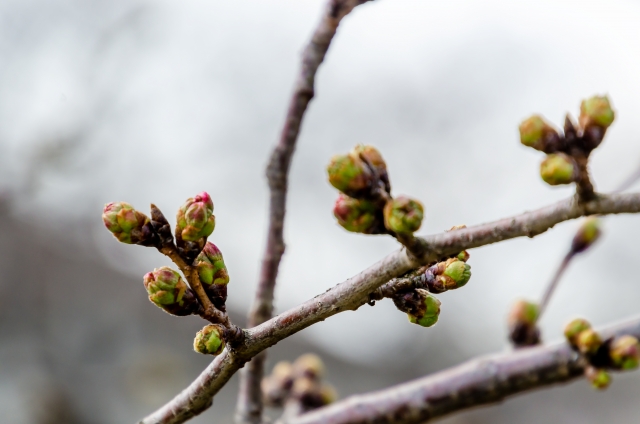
column 358, row 216
column 458, row 271
column 599, row 378
column 350, row 174
column 463, row 256
column 374, row 159
column 625, row 352
column 596, row 111
column 403, row 215
column 522, row 323
column 211, row 267
column 308, row 365
column 574, row 328
column 209, row 340
column 448, row 275
column 557, row 169
column 587, row 234
column 169, row 292
column 127, row 224
column 537, row 133
column 588, row 341
column 195, row 219
column 421, row 307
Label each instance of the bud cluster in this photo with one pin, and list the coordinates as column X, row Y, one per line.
column 522, row 323
column 616, row 353
column 300, row 382
column 365, row 204
column 567, row 153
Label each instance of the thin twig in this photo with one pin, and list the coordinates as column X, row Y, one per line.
column 483, row 381
column 354, row 292
column 249, row 407
column 551, row 287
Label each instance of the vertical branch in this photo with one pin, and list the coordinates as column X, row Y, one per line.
column 249, row 408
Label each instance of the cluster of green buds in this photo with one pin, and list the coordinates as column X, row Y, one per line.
column 564, row 150
column 448, row 275
column 300, row 382
column 365, row 204
column 194, row 223
column 213, row 274
column 616, row 353
column 127, row 224
column 522, row 319
column 210, row 340
column 169, row 292
column 421, row 307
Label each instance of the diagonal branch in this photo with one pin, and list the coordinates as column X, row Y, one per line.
column 481, row 381
column 249, row 408
column 354, row 292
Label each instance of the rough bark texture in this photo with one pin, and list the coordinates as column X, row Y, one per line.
column 481, row 381
column 249, row 409
column 354, row 292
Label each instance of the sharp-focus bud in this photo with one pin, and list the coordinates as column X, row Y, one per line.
column 625, row 352
column 374, row 159
column 309, row 365
column 522, row 323
column 588, row 233
column 195, row 219
column 596, row 111
column 421, row 307
column 537, row 133
column 127, row 224
column 168, row 291
column 209, row 340
column 599, row 378
column 213, row 274
column 588, row 341
column 448, row 275
column 403, row 215
column 558, row 168
column 355, row 215
column 573, row 329
column 350, row 174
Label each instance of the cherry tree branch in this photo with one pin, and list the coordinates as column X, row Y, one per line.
column 483, row 381
column 249, row 408
column 354, row 292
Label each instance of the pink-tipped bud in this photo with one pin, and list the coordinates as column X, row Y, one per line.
column 355, row 215
column 195, row 219
column 127, row 224
column 169, row 292
column 213, row 274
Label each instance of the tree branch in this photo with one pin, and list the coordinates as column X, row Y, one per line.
column 481, row 381
column 249, row 408
column 354, row 292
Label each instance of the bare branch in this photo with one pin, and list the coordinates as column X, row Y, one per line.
column 481, row 381
column 354, row 292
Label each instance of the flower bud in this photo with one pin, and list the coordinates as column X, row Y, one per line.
column 599, row 378
column 169, row 292
column 127, row 224
column 587, row 234
column 308, row 365
column 625, row 352
column 209, row 340
column 463, row 256
column 374, row 159
column 421, row 307
column 574, row 328
column 350, row 174
column 213, row 274
column 588, row 341
column 355, row 215
column 522, row 323
column 403, row 215
column 537, row 133
column 557, row 169
column 596, row 111
column 448, row 275
column 195, row 219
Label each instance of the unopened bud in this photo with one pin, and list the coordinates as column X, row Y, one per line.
column 522, row 323
column 421, row 307
column 573, row 329
column 169, row 292
column 599, row 378
column 355, row 215
column 308, row 365
column 448, row 275
column 596, row 111
column 463, row 256
column 537, row 133
column 209, row 340
column 213, row 274
column 195, row 219
column 558, row 168
column 350, row 174
column 403, row 215
column 374, row 159
column 625, row 352
column 127, row 224
column 588, row 341
column 587, row 234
